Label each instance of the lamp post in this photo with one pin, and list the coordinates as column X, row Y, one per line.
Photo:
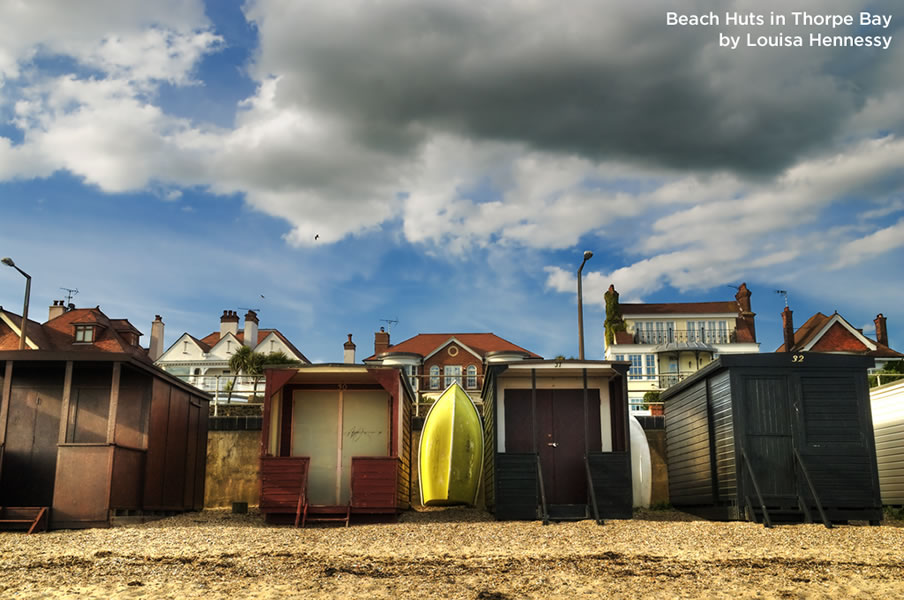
column 9, row 263
column 587, row 255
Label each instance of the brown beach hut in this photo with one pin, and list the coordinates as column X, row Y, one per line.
column 91, row 431
column 557, row 440
column 335, row 443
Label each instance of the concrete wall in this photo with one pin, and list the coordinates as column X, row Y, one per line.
column 659, row 466
column 232, row 468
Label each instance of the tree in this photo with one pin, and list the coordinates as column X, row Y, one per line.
column 890, row 368
column 246, row 361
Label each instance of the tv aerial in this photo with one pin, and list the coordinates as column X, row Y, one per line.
column 390, row 323
column 70, row 292
column 785, row 294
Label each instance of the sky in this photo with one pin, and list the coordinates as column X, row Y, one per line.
column 441, row 166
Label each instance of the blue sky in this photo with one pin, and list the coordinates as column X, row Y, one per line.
column 179, row 158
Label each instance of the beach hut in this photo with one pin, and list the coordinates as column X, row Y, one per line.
column 335, row 443
column 783, row 436
column 91, row 437
column 888, row 425
column 557, row 440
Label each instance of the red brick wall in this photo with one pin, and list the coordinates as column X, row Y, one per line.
column 838, row 339
column 443, row 358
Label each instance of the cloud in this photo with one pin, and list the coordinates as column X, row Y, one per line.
column 878, row 242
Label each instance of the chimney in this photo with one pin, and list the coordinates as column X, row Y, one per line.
column 788, row 326
column 349, row 354
column 881, row 330
column 381, row 341
column 229, row 323
column 56, row 310
column 155, row 350
column 745, row 314
column 250, row 329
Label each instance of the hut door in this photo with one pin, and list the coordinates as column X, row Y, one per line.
column 332, row 426
column 560, row 437
column 29, row 468
column 768, row 419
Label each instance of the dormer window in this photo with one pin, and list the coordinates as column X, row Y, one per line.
column 84, row 334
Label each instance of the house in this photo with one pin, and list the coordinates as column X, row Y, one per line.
column 433, row 361
column 665, row 343
column 834, row 334
column 557, row 440
column 204, row 362
column 336, row 443
column 90, row 429
column 774, row 436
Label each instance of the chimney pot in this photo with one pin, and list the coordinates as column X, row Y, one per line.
column 381, row 341
column 788, row 329
column 56, row 310
column 881, row 330
column 349, row 351
column 229, row 323
column 155, row 349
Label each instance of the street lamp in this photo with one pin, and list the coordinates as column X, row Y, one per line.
column 587, row 256
column 9, row 263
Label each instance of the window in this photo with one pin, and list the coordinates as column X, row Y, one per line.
column 472, row 377
column 84, row 333
column 691, row 332
column 619, row 357
column 185, row 347
column 650, row 361
column 723, row 333
column 434, row 377
column 636, row 370
column 636, row 403
column 412, row 376
column 452, row 374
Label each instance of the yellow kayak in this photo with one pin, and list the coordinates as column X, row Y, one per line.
column 451, row 450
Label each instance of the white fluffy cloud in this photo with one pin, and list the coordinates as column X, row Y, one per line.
column 517, row 125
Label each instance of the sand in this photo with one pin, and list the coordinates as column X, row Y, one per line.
column 456, row 553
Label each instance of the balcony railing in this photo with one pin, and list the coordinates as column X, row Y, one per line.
column 662, row 380
column 702, row 335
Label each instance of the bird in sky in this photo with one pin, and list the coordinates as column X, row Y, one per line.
column 316, row 236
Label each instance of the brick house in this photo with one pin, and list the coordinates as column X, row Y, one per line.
column 834, row 334
column 433, row 361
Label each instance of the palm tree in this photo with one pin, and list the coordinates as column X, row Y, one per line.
column 247, row 361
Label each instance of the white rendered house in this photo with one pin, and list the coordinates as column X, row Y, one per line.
column 204, row 362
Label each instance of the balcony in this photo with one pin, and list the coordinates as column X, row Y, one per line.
column 700, row 336
column 663, row 380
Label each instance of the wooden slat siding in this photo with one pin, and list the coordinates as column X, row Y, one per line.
column 888, row 425
column 835, row 448
column 404, row 464
column 517, row 496
column 687, row 447
column 611, row 473
column 374, row 482
column 281, row 482
column 723, row 434
column 489, row 438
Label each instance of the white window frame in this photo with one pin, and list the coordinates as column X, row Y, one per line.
column 472, row 377
column 434, row 377
column 451, row 374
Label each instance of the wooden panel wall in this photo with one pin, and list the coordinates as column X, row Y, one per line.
column 517, row 496
column 723, row 434
column 489, row 439
column 127, row 487
column 688, row 447
column 176, row 444
column 611, row 473
column 155, row 466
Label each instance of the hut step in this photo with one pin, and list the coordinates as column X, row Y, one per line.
column 568, row 512
column 17, row 518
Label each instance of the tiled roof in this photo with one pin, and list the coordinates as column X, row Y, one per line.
column 481, row 343
column 674, row 308
column 211, row 339
column 815, row 324
column 59, row 334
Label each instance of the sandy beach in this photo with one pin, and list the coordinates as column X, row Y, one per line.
column 455, row 553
